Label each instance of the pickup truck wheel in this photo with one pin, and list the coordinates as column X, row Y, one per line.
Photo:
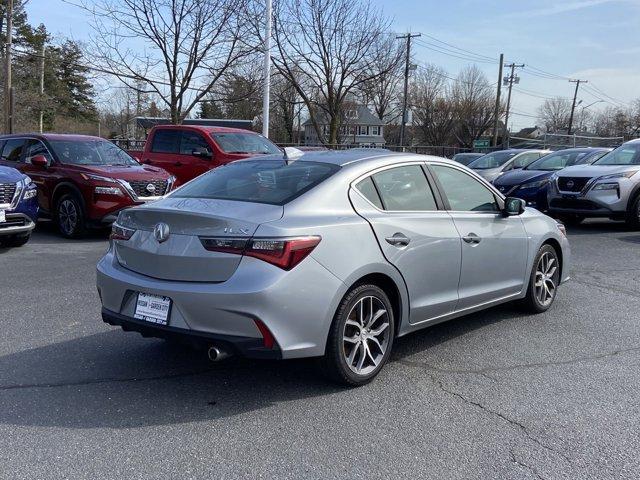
column 633, row 215
column 70, row 216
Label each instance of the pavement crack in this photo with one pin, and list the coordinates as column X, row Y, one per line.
column 514, row 423
column 486, row 370
column 524, row 465
column 97, row 381
column 616, row 289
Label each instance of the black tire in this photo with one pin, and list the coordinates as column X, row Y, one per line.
column 633, row 215
column 334, row 364
column 571, row 220
column 70, row 216
column 17, row 241
column 532, row 302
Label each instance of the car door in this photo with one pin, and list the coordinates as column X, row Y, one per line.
column 494, row 247
column 196, row 154
column 164, row 152
column 414, row 234
column 44, row 178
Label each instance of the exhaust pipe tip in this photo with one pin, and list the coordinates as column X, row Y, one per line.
column 215, row 354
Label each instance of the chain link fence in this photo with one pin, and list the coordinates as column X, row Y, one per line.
column 557, row 141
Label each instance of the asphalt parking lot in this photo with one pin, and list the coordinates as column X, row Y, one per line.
column 496, row 394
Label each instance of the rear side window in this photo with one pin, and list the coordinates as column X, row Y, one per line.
column 368, row 189
column 274, row 182
column 166, row 141
column 405, row 189
column 13, row 149
column 465, row 193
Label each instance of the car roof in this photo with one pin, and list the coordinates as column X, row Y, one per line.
column 51, row 136
column 205, row 128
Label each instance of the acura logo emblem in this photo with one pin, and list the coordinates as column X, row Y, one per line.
column 161, row 232
column 570, row 183
column 151, row 188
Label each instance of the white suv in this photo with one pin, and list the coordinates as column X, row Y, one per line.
column 610, row 187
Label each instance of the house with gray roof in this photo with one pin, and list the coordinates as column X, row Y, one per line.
column 360, row 127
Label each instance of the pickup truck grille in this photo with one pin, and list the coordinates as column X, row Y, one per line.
column 143, row 188
column 572, row 184
column 7, row 190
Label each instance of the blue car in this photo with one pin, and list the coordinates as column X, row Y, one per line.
column 18, row 207
column 530, row 183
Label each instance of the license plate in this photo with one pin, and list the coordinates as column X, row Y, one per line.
column 153, row 308
column 3, row 216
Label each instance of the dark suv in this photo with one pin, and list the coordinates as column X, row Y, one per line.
column 82, row 181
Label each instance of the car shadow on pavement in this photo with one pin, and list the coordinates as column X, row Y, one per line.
column 598, row 226
column 118, row 380
column 46, row 233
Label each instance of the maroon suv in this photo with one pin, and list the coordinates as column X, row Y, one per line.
column 82, row 181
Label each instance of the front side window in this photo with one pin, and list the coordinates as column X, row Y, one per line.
column 13, row 149
column 405, row 189
column 192, row 141
column 166, row 141
column 623, row 155
column 235, row 142
column 492, row 160
column 274, row 182
column 36, row 147
column 90, row 152
column 525, row 159
column 465, row 193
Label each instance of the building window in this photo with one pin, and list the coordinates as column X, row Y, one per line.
column 364, row 130
column 375, row 130
column 352, row 130
column 351, row 114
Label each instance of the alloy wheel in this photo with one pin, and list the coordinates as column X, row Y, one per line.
column 545, row 283
column 67, row 216
column 366, row 335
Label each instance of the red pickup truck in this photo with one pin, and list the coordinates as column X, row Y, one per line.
column 187, row 151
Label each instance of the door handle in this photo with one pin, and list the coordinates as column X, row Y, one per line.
column 398, row 240
column 177, row 164
column 472, row 238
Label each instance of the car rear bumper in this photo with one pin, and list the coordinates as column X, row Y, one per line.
column 17, row 224
column 246, row 346
column 297, row 306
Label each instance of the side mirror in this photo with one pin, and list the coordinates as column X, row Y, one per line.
column 201, row 152
column 513, row 206
column 39, row 161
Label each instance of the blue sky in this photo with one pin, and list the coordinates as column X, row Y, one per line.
column 597, row 40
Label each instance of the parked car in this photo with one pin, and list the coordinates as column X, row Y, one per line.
column 18, row 207
column 187, row 151
column 466, row 158
column 278, row 259
column 494, row 164
column 610, row 187
column 530, row 183
column 82, row 181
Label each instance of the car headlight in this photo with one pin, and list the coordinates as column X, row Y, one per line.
column 606, row 186
column 537, row 184
column 109, row 191
column 100, row 178
column 30, row 193
column 628, row 174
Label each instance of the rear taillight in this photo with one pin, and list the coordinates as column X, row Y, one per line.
column 284, row 253
column 118, row 232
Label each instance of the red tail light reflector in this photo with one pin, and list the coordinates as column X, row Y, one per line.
column 284, row 253
column 267, row 337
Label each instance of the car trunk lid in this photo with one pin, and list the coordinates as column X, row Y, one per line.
column 181, row 256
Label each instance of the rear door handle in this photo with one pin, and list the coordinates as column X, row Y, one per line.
column 398, row 240
column 472, row 238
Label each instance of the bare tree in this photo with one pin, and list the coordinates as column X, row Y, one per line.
column 327, row 50
column 383, row 90
column 187, row 45
column 432, row 107
column 554, row 114
column 474, row 104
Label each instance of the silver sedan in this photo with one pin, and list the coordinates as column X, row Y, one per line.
column 333, row 255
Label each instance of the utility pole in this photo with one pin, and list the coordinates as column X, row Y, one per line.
column 41, row 119
column 496, row 112
column 573, row 105
column 8, row 103
column 509, row 81
column 267, row 71
column 407, row 68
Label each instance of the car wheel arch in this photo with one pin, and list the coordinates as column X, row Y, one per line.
column 558, row 248
column 64, row 188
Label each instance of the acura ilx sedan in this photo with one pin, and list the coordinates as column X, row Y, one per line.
column 333, row 255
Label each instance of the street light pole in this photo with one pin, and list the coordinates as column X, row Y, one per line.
column 407, row 68
column 267, row 71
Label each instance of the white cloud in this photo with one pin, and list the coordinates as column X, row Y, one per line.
column 557, row 8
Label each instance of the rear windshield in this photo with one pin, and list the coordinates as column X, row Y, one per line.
column 260, row 181
column 236, row 142
column 492, row 160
